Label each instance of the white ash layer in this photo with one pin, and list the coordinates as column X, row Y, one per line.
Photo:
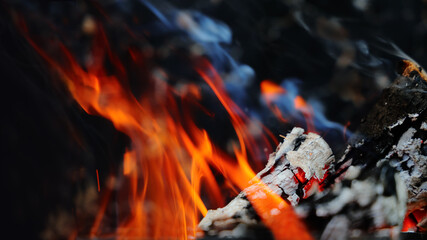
column 308, row 152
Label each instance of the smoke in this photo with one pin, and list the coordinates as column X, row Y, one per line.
column 214, row 38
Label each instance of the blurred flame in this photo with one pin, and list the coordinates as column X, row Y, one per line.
column 271, row 91
column 302, row 106
column 170, row 158
column 276, row 213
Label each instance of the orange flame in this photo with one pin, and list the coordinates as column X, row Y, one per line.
column 270, row 88
column 271, row 91
column 276, row 213
column 306, row 109
column 170, row 158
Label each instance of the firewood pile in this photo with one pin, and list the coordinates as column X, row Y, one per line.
column 378, row 184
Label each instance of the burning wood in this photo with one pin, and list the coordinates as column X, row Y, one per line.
column 390, row 143
column 379, row 178
column 291, row 172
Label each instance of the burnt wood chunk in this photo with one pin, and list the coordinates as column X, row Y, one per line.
column 298, row 153
column 368, row 191
column 384, row 166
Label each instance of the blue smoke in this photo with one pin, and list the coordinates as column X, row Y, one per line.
column 214, row 37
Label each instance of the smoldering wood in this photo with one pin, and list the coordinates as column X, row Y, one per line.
column 298, row 150
column 363, row 203
column 380, row 177
column 382, row 174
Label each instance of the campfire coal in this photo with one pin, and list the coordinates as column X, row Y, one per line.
column 131, row 119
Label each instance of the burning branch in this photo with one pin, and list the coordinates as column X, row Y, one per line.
column 292, row 172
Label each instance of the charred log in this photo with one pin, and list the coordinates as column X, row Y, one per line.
column 384, row 162
column 298, row 163
column 379, row 178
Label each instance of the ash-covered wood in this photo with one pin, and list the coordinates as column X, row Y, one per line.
column 384, row 165
column 299, row 153
column 378, row 180
column 359, row 204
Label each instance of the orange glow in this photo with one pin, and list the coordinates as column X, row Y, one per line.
column 410, row 223
column 276, row 213
column 170, row 159
column 301, row 105
column 271, row 88
column 409, row 66
column 271, row 91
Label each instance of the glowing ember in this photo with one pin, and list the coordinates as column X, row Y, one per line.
column 410, row 66
column 413, row 219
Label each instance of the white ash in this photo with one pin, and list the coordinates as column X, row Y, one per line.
column 336, row 229
column 336, row 205
column 391, row 210
column 312, row 156
column 288, row 143
column 397, row 123
column 413, row 116
column 298, row 150
column 282, row 181
column 406, row 144
column 226, row 218
column 412, row 165
column 363, row 192
column 360, row 197
column 352, row 172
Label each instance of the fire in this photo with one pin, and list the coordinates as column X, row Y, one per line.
column 276, row 213
column 170, row 159
column 409, row 66
column 271, row 91
column 413, row 220
column 302, row 106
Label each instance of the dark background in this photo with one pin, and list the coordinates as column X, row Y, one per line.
column 50, row 147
